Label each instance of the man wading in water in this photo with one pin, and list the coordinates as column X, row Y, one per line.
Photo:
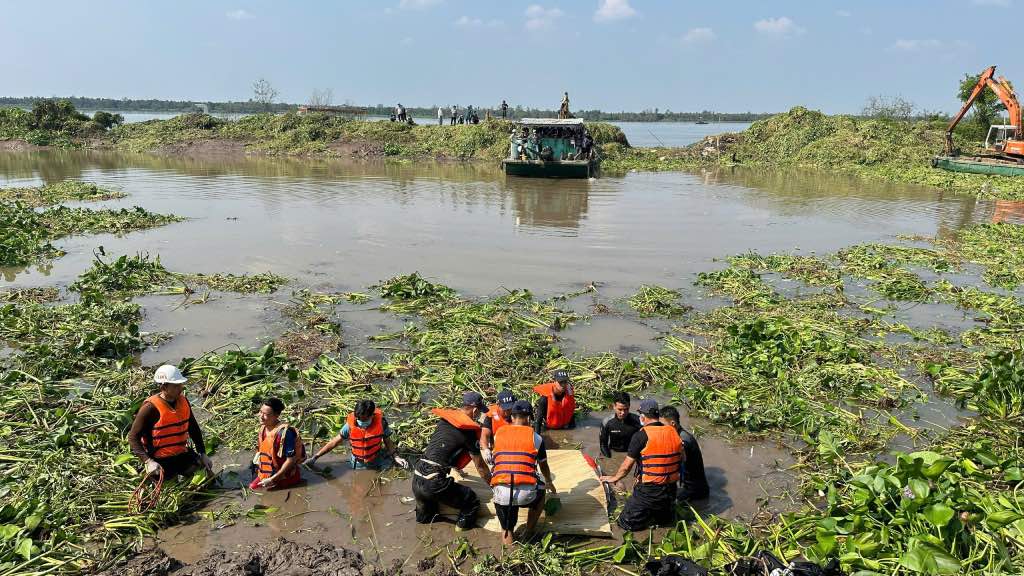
column 454, row 444
column 163, row 426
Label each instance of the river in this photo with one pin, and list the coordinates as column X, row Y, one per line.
column 343, row 225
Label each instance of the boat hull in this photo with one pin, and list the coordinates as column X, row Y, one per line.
column 552, row 169
column 978, row 165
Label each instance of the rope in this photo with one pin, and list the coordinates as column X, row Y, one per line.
column 137, row 505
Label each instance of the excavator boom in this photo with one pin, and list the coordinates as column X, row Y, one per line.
column 1002, row 89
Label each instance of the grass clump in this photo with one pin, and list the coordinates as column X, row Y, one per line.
column 808, row 269
column 262, row 283
column 66, row 191
column 658, row 301
column 742, row 284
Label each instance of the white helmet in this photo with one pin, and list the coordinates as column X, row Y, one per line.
column 168, row 374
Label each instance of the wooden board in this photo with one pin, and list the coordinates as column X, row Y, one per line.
column 584, row 509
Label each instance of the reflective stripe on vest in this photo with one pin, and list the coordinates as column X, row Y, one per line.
column 660, row 458
column 515, row 456
column 460, row 420
column 271, row 457
column 560, row 412
column 497, row 418
column 366, row 442
column 169, row 436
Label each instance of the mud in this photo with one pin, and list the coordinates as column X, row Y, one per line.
column 19, row 146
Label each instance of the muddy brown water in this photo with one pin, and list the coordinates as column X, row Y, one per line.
column 336, row 225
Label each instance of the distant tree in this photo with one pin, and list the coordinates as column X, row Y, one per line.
column 54, row 114
column 106, row 120
column 264, row 93
column 323, row 97
column 987, row 107
column 888, row 108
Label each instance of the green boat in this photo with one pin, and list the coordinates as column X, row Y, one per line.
column 552, row 148
column 979, row 165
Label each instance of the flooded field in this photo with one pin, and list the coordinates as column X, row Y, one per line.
column 343, row 226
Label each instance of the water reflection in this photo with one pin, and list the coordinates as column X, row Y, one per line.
column 549, row 203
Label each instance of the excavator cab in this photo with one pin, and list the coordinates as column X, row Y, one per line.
column 998, row 134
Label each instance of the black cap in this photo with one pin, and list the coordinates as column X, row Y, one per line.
column 649, row 407
column 473, row 399
column 506, row 398
column 560, row 376
column 522, row 407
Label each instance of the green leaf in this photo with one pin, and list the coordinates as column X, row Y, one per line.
column 939, row 514
column 24, row 548
column 32, row 522
column 997, row 520
column 913, row 560
column 8, row 531
column 919, row 487
column 942, row 562
column 123, row 459
column 620, row 554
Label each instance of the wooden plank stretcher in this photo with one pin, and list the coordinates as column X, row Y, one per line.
column 584, row 510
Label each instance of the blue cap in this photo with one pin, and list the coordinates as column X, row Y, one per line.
column 522, row 407
column 649, row 407
column 560, row 376
column 506, row 398
column 473, row 399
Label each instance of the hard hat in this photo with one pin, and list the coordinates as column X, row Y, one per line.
column 168, row 374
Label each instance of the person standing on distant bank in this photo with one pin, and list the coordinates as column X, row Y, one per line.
column 504, row 110
column 440, row 116
column 455, row 113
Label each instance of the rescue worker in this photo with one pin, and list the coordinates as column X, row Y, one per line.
column 695, row 483
column 454, row 443
column 657, row 452
column 618, row 429
column 518, row 452
column 280, row 450
column 163, row 426
column 556, row 408
column 367, row 431
column 497, row 416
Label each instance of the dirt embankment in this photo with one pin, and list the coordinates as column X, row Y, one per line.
column 278, row 558
column 19, row 146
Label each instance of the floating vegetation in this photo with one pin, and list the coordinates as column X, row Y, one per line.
column 66, row 191
column 262, row 283
column 658, row 301
column 997, row 247
column 808, row 269
column 37, row 295
column 743, row 285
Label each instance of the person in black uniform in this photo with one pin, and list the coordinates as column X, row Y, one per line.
column 455, row 443
column 657, row 452
column 695, row 483
column 618, row 429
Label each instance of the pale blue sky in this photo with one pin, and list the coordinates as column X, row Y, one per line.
column 609, row 54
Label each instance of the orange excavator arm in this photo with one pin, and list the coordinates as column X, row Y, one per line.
column 1002, row 89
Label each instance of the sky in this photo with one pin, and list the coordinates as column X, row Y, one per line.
column 681, row 55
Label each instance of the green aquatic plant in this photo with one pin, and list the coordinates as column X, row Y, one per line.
column 743, row 285
column 262, row 283
column 657, row 301
column 65, row 191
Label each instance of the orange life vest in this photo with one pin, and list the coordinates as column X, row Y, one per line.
column 366, row 442
column 169, row 436
column 458, row 419
column 660, row 458
column 560, row 412
column 515, row 456
column 272, row 458
column 497, row 417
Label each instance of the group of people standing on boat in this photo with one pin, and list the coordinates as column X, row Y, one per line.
column 503, row 441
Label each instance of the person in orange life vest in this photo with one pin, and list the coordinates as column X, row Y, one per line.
column 518, row 453
column 279, row 451
column 369, row 437
column 497, row 416
column 163, row 426
column 556, row 408
column 658, row 453
column 454, row 444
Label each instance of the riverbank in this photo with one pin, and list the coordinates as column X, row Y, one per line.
column 876, row 149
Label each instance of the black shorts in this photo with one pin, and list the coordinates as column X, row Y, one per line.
column 509, row 515
column 649, row 505
column 183, row 463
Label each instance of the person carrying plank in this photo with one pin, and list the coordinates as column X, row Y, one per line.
column 281, row 451
column 657, row 452
column 369, row 438
column 556, row 408
column 163, row 427
column 454, row 444
column 518, row 453
column 498, row 415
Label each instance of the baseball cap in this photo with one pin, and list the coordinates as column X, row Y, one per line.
column 560, row 376
column 473, row 399
column 522, row 407
column 649, row 407
column 506, row 398
column 168, row 374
